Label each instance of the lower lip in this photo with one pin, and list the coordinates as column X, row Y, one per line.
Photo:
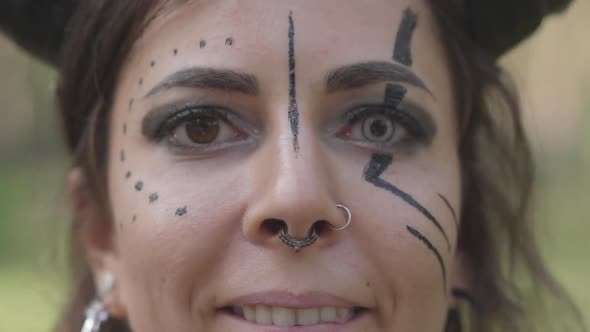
column 244, row 325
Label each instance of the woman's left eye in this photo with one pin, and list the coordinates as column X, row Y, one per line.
column 379, row 127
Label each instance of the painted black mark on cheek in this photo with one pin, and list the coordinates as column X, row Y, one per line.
column 139, row 185
column 202, row 43
column 433, row 249
column 140, row 82
column 403, row 42
column 229, row 41
column 153, row 197
column 378, row 164
column 134, row 218
column 128, row 175
column 175, row 51
column 153, row 64
column 293, row 111
column 448, row 204
column 181, row 211
column 124, row 129
column 131, row 101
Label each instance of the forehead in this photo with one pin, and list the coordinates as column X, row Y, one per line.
column 328, row 32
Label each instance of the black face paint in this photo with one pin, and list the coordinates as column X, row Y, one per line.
column 131, row 103
column 122, row 156
column 448, row 204
column 128, row 175
column 432, row 248
column 140, row 81
column 293, row 111
column 379, row 163
column 153, row 64
column 134, row 218
column 124, row 129
column 403, row 41
column 153, row 197
column 229, row 41
column 202, row 44
column 181, row 211
column 175, row 51
column 139, row 185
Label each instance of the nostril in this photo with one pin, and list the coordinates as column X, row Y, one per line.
column 272, row 226
column 321, row 227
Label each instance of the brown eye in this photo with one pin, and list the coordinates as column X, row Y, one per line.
column 378, row 128
column 203, row 130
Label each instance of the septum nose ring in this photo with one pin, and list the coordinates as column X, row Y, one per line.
column 297, row 244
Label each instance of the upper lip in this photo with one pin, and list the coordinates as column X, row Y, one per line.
column 284, row 299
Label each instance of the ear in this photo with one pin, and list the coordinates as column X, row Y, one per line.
column 94, row 230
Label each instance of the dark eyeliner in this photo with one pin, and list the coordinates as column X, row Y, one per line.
column 161, row 121
column 418, row 122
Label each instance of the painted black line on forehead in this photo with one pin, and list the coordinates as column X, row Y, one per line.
column 432, row 248
column 448, row 204
column 378, row 164
column 402, row 52
column 293, row 111
column 209, row 78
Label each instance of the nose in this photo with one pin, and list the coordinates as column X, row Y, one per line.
column 294, row 192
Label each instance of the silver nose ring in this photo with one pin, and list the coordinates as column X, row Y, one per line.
column 297, row 244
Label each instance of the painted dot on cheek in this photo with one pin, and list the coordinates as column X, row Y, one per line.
column 154, row 197
column 153, row 64
column 128, row 175
column 202, row 43
column 175, row 51
column 181, row 211
column 139, row 185
column 229, row 41
column 134, row 218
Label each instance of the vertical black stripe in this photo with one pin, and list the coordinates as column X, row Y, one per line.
column 403, row 42
column 433, row 249
column 293, row 111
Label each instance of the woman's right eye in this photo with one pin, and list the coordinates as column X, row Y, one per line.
column 202, row 130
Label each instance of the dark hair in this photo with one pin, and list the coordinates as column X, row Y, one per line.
column 497, row 170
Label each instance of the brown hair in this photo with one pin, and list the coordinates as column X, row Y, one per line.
column 497, row 170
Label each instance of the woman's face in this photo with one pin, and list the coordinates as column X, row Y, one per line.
column 232, row 118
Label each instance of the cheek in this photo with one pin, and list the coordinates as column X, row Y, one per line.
column 173, row 228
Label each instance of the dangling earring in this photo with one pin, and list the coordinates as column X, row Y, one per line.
column 454, row 322
column 96, row 313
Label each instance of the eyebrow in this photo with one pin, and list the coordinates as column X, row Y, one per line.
column 361, row 74
column 209, row 78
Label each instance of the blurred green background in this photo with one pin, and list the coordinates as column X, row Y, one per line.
column 552, row 71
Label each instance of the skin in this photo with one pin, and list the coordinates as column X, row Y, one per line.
column 174, row 270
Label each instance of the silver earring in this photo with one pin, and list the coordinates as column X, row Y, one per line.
column 96, row 315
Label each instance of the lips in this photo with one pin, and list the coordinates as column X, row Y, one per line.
column 288, row 310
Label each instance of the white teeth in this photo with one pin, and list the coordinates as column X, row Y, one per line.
column 283, row 317
column 307, row 317
column 328, row 314
column 263, row 315
column 287, row 317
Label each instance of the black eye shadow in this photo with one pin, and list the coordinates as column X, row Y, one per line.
column 181, row 211
column 403, row 41
column 139, row 185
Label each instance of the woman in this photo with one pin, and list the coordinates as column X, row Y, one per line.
column 296, row 166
